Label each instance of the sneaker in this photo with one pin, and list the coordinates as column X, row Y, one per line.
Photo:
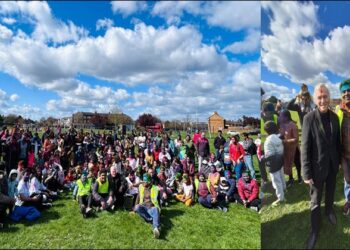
column 300, row 180
column 290, row 183
column 88, row 210
column 156, row 233
column 224, row 209
column 277, row 202
column 256, row 209
column 112, row 207
column 346, row 208
column 219, row 208
column 47, row 205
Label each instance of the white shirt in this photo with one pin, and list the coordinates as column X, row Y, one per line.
column 23, row 188
column 133, row 190
column 188, row 189
column 273, row 145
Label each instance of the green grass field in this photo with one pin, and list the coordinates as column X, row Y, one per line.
column 288, row 226
column 62, row 226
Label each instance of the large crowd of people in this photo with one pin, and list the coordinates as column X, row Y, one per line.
column 139, row 171
column 324, row 148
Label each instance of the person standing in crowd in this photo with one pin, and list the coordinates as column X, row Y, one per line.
column 320, row 158
column 203, row 150
column 249, row 150
column 290, row 137
column 273, row 159
column 343, row 112
column 237, row 155
column 218, row 142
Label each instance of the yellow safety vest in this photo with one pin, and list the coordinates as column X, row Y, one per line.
column 154, row 195
column 102, row 187
column 84, row 189
column 196, row 184
column 340, row 114
column 295, row 117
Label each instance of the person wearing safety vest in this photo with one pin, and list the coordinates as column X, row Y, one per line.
column 147, row 204
column 101, row 192
column 84, row 194
column 343, row 112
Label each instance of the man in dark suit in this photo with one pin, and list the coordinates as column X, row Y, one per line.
column 320, row 158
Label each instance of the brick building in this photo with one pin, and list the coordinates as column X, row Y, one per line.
column 215, row 123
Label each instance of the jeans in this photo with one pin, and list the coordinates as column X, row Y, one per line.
column 149, row 214
column 248, row 160
column 205, row 201
column 238, row 170
column 345, row 163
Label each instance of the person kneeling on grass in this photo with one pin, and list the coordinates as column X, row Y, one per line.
column 84, row 194
column 187, row 195
column 248, row 192
column 25, row 205
column 147, row 204
column 273, row 160
column 207, row 196
column 101, row 192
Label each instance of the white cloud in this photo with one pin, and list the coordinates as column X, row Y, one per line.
column 128, row 7
column 232, row 15
column 172, row 11
column 5, row 33
column 47, row 28
column 104, row 23
column 8, row 20
column 294, row 51
column 88, row 98
column 281, row 92
column 121, row 55
column 251, row 43
column 14, row 97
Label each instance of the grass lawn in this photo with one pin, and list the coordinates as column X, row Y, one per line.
column 62, row 226
column 288, row 226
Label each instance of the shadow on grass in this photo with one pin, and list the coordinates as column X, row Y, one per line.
column 292, row 230
column 165, row 219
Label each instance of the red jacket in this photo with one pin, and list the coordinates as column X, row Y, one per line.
column 236, row 151
column 248, row 191
column 196, row 137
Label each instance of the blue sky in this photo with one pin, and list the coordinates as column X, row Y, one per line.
column 307, row 45
column 171, row 59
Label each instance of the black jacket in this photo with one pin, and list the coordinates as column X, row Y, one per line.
column 117, row 185
column 218, row 142
column 319, row 154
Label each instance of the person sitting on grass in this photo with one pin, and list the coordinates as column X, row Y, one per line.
column 147, row 204
column 84, row 194
column 227, row 186
column 25, row 206
column 187, row 195
column 207, row 196
column 5, row 200
column 100, row 192
column 12, row 183
column 273, row 159
column 117, row 186
column 248, row 192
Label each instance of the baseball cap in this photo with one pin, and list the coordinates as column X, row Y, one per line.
column 344, row 85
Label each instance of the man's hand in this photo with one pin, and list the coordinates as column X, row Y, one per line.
column 310, row 181
column 103, row 204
